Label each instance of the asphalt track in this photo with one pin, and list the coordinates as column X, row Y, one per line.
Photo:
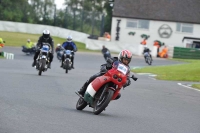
column 46, row 104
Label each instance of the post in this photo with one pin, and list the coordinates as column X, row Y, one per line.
column 65, row 18
column 54, row 15
column 102, row 26
column 92, row 22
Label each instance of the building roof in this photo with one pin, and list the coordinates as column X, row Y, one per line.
column 187, row 11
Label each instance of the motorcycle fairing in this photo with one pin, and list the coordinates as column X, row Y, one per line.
column 94, row 86
column 113, row 75
column 45, row 48
column 146, row 54
column 44, row 56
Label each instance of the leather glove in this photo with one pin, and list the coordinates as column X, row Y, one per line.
column 109, row 63
column 103, row 68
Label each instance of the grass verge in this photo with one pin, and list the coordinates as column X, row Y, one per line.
column 196, row 86
column 190, row 71
column 16, row 39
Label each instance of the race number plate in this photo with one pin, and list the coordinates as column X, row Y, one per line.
column 122, row 68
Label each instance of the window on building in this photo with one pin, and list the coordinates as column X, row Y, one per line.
column 187, row 28
column 140, row 24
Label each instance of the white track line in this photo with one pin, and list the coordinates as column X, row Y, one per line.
column 152, row 78
column 188, row 87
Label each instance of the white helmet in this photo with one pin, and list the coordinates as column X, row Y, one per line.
column 58, row 44
column 46, row 34
column 69, row 38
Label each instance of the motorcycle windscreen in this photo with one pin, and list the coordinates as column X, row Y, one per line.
column 68, row 52
column 45, row 48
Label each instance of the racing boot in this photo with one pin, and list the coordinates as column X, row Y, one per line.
column 49, row 65
column 34, row 63
column 83, row 89
column 72, row 65
column 61, row 64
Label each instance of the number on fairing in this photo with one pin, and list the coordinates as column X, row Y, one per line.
column 45, row 48
column 146, row 54
column 68, row 52
column 122, row 68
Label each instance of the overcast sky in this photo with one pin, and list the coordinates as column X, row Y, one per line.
column 59, row 3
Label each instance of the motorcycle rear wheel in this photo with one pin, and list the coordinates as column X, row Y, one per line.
column 81, row 104
column 101, row 104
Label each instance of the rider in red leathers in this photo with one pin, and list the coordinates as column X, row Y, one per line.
column 124, row 57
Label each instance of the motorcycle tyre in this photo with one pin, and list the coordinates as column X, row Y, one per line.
column 59, row 58
column 149, row 60
column 109, row 93
column 67, row 66
column 81, row 104
column 43, row 61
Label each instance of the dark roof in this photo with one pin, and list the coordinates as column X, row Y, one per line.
column 166, row 10
column 193, row 38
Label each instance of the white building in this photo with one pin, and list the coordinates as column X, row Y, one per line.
column 168, row 21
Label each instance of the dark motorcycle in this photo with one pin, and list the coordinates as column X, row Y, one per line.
column 59, row 52
column 104, row 89
column 67, row 63
column 148, row 58
column 43, row 59
column 30, row 51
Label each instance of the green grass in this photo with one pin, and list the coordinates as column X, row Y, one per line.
column 189, row 71
column 16, row 39
column 196, row 86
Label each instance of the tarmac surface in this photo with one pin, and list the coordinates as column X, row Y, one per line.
column 30, row 103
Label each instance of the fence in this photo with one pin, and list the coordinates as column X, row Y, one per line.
column 186, row 53
column 8, row 55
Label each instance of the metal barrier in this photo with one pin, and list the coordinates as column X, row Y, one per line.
column 9, row 56
column 186, row 53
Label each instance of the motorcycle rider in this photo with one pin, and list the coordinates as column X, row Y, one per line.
column 105, row 52
column 146, row 50
column 58, row 48
column 45, row 38
column 59, row 51
column 124, row 57
column 69, row 45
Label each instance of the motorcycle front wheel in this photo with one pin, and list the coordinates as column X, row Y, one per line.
column 101, row 104
column 81, row 104
column 67, row 66
column 149, row 60
column 42, row 65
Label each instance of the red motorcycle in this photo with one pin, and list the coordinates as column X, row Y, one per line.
column 105, row 88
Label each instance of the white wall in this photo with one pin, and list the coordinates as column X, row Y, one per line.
column 38, row 29
column 133, row 42
column 126, row 41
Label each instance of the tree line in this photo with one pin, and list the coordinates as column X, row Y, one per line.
column 88, row 16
